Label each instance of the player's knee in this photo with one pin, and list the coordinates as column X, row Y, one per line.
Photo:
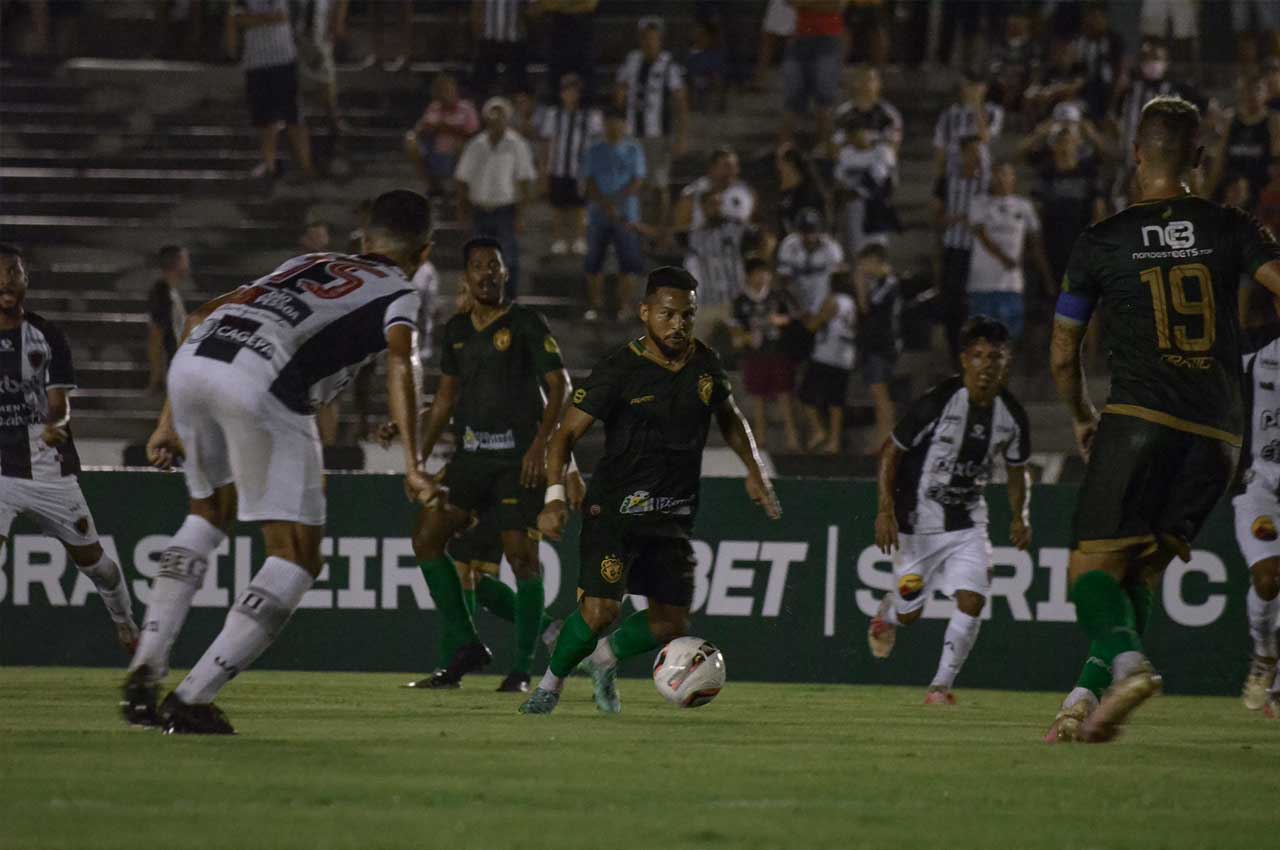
column 1266, row 578
column 598, row 613
column 428, row 544
column 524, row 560
column 85, row 556
column 970, row 603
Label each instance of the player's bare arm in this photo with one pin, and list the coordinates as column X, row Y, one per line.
column 555, row 514
column 886, row 480
column 533, row 465
column 55, row 428
column 1068, row 376
column 1020, row 507
column 737, row 433
column 1268, row 275
column 402, row 401
column 437, row 417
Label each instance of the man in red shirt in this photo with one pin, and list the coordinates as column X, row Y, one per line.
column 435, row 142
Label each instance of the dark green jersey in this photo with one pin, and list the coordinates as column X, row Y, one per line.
column 499, row 370
column 656, row 420
column 1166, row 274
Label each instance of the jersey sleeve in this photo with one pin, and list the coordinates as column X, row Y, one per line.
column 402, row 311
column 920, row 418
column 62, row 373
column 1080, row 292
column 675, row 77
column 542, row 346
column 597, row 395
column 449, row 364
column 1257, row 245
column 1018, row 450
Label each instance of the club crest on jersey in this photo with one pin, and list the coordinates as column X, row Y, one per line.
column 502, row 339
column 6, row 344
column 705, row 385
column 978, row 432
column 36, row 359
column 910, row 586
column 1264, row 528
column 611, row 569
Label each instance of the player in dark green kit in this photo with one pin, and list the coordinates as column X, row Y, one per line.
column 656, row 397
column 1166, row 272
column 496, row 360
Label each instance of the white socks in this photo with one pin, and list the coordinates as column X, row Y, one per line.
column 252, row 624
column 551, row 682
column 1262, row 623
column 962, row 631
column 108, row 578
column 182, row 569
column 1126, row 664
column 1080, row 695
column 603, row 656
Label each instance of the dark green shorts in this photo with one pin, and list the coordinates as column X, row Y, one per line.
column 481, row 485
column 618, row 558
column 1146, row 481
column 482, row 543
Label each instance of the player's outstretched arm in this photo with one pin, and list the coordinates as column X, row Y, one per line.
column 555, row 513
column 886, row 513
column 1020, row 507
column 737, row 433
column 402, row 400
column 1068, row 376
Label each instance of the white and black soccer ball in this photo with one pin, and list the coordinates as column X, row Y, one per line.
column 689, row 672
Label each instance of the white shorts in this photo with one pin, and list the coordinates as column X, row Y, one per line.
column 57, row 507
column 946, row 562
column 235, row 431
column 1158, row 14
column 1257, row 514
column 780, row 18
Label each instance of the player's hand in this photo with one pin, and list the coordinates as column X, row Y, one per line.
column 576, row 489
column 163, row 448
column 886, row 532
column 760, row 491
column 422, row 488
column 1020, row 534
column 533, row 467
column 1085, row 432
column 54, row 435
column 552, row 520
column 387, row 433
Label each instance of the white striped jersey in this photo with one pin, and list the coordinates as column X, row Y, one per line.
column 305, row 330
column 866, row 172
column 34, row 358
column 568, row 136
column 502, row 20
column 957, row 191
column 809, row 269
column 882, row 120
column 1260, row 459
column 951, row 447
column 649, row 85
column 834, row 343
column 957, row 121
column 270, row 45
column 715, row 249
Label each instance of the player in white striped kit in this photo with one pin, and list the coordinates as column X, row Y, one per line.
column 933, row 471
column 243, row 388
column 1257, row 511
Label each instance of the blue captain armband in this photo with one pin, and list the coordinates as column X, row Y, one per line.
column 1075, row 309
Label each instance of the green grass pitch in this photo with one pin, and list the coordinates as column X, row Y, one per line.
column 352, row 761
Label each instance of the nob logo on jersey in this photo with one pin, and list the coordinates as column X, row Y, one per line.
column 1178, row 235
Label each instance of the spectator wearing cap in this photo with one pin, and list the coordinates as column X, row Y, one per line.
column 812, row 64
column 614, row 172
column 865, row 173
column 807, row 259
column 434, row 143
column 967, row 176
column 657, row 108
column 270, row 63
column 496, row 177
column 501, row 38
column 763, row 317
column 568, row 130
column 972, row 116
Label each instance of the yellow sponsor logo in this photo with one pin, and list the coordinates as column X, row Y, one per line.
column 910, row 586
column 644, row 399
column 510, row 501
column 705, row 384
column 1264, row 528
column 502, row 339
column 458, row 345
column 611, row 569
column 578, row 396
column 551, row 346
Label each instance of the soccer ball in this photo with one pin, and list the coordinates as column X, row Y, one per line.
column 689, row 672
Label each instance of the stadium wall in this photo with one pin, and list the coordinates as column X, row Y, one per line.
column 786, row 601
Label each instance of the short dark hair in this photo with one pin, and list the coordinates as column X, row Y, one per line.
column 721, row 152
column 873, row 251
column 168, row 256
column 984, row 328
column 475, row 243
column 755, row 264
column 1168, row 131
column 669, row 277
column 403, row 216
column 9, row 250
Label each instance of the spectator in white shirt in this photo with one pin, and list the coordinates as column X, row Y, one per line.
column 971, row 116
column 496, row 177
column 807, row 259
column 1004, row 226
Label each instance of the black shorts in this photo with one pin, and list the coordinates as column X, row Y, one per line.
column 273, row 95
column 563, row 193
column 619, row 558
column 1147, row 481
column 823, row 385
column 491, row 485
column 480, row 544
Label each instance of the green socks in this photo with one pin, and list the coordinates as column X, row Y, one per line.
column 576, row 642
column 1106, row 614
column 456, row 626
column 495, row 597
column 529, row 617
column 1096, row 674
column 633, row 637
column 1143, row 601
